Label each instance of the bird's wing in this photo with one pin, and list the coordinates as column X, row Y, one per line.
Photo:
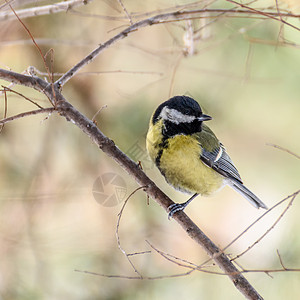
column 214, row 154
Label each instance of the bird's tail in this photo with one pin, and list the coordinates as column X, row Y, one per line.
column 255, row 201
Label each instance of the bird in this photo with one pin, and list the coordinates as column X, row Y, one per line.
column 189, row 155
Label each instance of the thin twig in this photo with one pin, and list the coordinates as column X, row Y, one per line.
column 5, row 109
column 32, row 38
column 284, row 149
column 117, row 231
column 21, row 95
column 121, row 71
column 280, row 34
column 233, row 12
column 251, row 225
column 261, row 217
column 271, row 228
column 62, row 6
column 193, row 267
column 178, row 261
column 28, row 113
column 158, row 19
column 40, row 52
column 248, row 63
column 126, row 12
column 56, row 74
column 244, row 271
column 280, row 260
column 98, row 112
column 50, row 53
column 271, row 16
column 135, row 277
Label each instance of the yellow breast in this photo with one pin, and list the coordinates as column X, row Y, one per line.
column 180, row 163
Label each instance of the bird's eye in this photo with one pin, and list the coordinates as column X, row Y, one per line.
column 188, row 112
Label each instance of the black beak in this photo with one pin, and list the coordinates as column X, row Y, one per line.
column 204, row 118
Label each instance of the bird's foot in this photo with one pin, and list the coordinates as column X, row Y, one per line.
column 174, row 208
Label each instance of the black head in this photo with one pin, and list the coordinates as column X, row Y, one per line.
column 181, row 115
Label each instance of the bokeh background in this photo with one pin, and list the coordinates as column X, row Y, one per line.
column 244, row 71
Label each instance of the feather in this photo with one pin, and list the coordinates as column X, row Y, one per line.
column 217, row 158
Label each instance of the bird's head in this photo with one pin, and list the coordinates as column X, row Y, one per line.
column 180, row 115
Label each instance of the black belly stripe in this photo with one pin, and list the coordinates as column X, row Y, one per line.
column 158, row 157
column 162, row 146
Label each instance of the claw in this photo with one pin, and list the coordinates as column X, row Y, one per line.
column 174, row 208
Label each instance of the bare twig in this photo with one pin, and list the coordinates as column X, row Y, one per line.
column 280, row 33
column 121, row 71
column 117, row 231
column 50, row 53
column 134, row 277
column 280, row 259
column 267, row 271
column 178, row 261
column 278, row 11
column 209, row 12
column 243, row 271
column 193, row 267
column 248, row 63
column 271, row 42
column 98, row 112
column 40, row 52
column 126, row 12
column 28, row 113
column 261, row 217
column 266, row 14
column 21, row 95
column 31, row 36
column 159, row 19
column 284, row 149
column 56, row 74
column 62, row 6
column 271, row 228
column 5, row 110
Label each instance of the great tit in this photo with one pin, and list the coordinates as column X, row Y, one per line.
column 189, row 155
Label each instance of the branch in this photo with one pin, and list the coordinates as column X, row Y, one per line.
column 66, row 110
column 25, row 80
column 160, row 19
column 55, row 8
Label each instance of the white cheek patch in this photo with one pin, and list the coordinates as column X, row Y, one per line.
column 175, row 116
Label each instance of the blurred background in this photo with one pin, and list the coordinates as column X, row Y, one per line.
column 60, row 195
